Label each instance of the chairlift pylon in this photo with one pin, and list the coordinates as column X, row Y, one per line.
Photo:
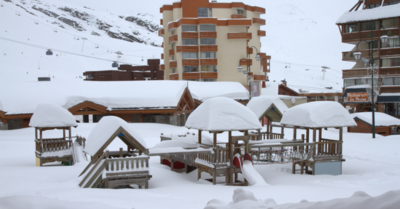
column 49, row 52
column 115, row 64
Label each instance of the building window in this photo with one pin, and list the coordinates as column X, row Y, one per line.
column 209, row 68
column 387, row 81
column 89, row 77
column 173, row 45
column 207, row 41
column 189, row 69
column 351, row 28
column 207, row 28
column 204, row 12
column 372, row 25
column 396, row 81
column 208, row 55
column 209, row 80
column 189, row 55
column 371, row 6
column 390, row 3
column 392, row 42
column 189, row 28
column 173, row 70
column 240, row 11
column 390, row 62
column 189, row 41
column 390, row 23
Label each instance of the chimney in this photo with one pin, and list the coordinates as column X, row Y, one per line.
column 284, row 82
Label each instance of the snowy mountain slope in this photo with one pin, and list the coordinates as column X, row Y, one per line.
column 300, row 34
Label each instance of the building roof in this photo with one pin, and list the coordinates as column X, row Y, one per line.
column 381, row 119
column 370, row 14
column 222, row 114
column 318, row 115
column 48, row 115
column 205, row 90
column 260, row 105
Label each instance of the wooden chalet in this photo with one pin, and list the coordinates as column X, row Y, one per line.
column 115, row 169
column 383, row 123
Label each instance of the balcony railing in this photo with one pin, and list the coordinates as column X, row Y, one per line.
column 259, row 9
column 193, row 35
column 209, row 48
column 259, row 21
column 209, row 75
column 209, row 62
column 161, row 22
column 390, row 32
column 208, row 34
column 194, row 75
column 260, row 77
column 162, row 67
column 161, row 32
column 187, row 48
column 171, row 52
column 390, row 52
column 173, row 38
column 240, row 35
column 174, row 76
column 237, row 16
column 261, row 33
column 162, row 56
column 389, row 71
column 191, row 62
column 383, row 72
column 348, row 56
column 354, row 73
column 173, row 63
column 392, row 89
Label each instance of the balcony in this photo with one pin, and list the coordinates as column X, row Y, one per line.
column 162, row 56
column 208, row 34
column 174, row 76
column 173, row 38
column 260, row 77
column 246, row 36
column 244, row 22
column 172, row 26
column 162, row 67
column 171, row 52
column 193, row 35
column 209, row 75
column 383, row 72
column 187, row 48
column 209, row 62
column 259, row 10
column 360, row 36
column 261, row 33
column 354, row 73
column 245, row 61
column 190, row 62
column 188, row 76
column 161, row 22
column 161, row 33
column 389, row 71
column 236, row 16
column 259, row 21
column 173, row 63
column 348, row 56
column 390, row 32
column 209, row 48
column 392, row 89
column 391, row 52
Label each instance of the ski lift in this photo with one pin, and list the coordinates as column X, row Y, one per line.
column 115, row 64
column 49, row 52
column 286, row 65
column 2, row 5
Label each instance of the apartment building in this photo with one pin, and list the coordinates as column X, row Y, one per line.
column 364, row 26
column 207, row 41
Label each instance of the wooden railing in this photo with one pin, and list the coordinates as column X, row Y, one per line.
column 364, row 53
column 208, row 34
column 209, row 48
column 219, row 157
column 209, row 75
column 261, row 33
column 354, row 73
column 390, row 51
column 173, row 63
column 383, row 72
column 171, row 52
column 194, row 75
column 260, row 77
column 161, row 32
column 390, row 32
column 245, row 61
column 240, row 35
column 162, row 67
column 129, row 163
column 209, row 62
column 267, row 136
column 190, row 62
column 237, row 16
column 174, row 76
column 52, row 145
column 173, row 38
column 328, row 147
column 390, row 89
column 194, row 35
column 259, row 21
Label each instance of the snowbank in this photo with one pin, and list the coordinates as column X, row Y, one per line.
column 370, row 14
column 381, row 119
column 245, row 199
column 261, row 104
column 222, row 114
column 318, row 115
column 51, row 115
column 104, row 130
column 205, row 90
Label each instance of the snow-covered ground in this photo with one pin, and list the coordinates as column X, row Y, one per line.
column 372, row 166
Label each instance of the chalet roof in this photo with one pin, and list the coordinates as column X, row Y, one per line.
column 260, row 105
column 222, row 114
column 318, row 115
column 107, row 129
column 370, row 14
column 48, row 115
column 205, row 90
column 381, row 119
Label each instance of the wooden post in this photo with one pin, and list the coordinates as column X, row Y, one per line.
column 41, row 135
column 282, row 132
column 215, row 139
column 199, row 136
column 294, row 133
column 69, row 133
column 307, row 135
column 341, row 140
column 319, row 134
column 314, row 135
column 36, row 135
column 231, row 158
column 121, row 152
column 140, row 118
column 63, row 133
column 267, row 127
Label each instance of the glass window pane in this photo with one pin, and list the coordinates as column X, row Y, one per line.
column 350, row 28
column 189, row 28
column 189, row 55
column 202, row 12
column 387, row 81
column 373, row 25
column 207, row 28
column 207, row 41
column 359, row 81
column 396, row 81
column 189, row 41
column 395, row 62
column 188, row 69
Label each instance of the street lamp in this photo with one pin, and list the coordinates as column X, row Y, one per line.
column 357, row 56
column 240, row 68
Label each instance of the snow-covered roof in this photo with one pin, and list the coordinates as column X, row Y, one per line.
column 363, row 86
column 381, row 119
column 111, row 94
column 186, row 143
column 318, row 115
column 222, row 114
column 205, row 90
column 271, row 89
column 261, row 104
column 104, row 129
column 370, row 14
column 48, row 115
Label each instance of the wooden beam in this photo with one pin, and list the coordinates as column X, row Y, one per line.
column 19, row 116
column 340, row 133
column 320, row 134
column 215, row 139
column 314, row 135
column 199, row 136
column 87, row 104
column 294, row 133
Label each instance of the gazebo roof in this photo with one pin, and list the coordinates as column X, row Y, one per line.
column 262, row 104
column 318, row 115
column 223, row 114
column 108, row 128
column 49, row 115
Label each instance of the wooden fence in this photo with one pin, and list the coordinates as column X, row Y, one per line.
column 53, row 145
column 220, row 156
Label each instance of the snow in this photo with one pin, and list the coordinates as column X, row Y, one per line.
column 222, row 114
column 47, row 115
column 382, row 12
column 381, row 119
column 271, row 89
column 60, row 153
column 259, row 105
column 103, row 130
column 359, row 86
column 245, row 199
column 205, row 90
column 252, row 176
column 318, row 115
column 1, row 107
